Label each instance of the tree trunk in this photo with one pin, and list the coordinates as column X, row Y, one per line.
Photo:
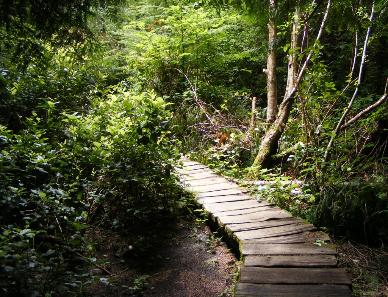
column 270, row 142
column 272, row 105
column 275, row 131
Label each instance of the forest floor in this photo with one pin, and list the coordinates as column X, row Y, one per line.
column 189, row 262
column 368, row 266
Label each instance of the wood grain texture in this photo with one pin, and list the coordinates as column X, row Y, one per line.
column 284, row 249
column 261, row 225
column 236, row 191
column 274, row 231
column 234, row 205
column 286, row 239
column 225, row 198
column 254, row 217
column 212, row 187
column 260, row 275
column 291, row 261
column 256, row 290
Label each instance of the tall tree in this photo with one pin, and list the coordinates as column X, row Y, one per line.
column 272, row 104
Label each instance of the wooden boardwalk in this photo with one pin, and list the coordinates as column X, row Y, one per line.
column 280, row 257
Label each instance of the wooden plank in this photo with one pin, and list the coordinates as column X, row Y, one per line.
column 246, row 211
column 202, row 176
column 256, row 290
column 286, row 239
column 188, row 163
column 220, row 193
column 196, row 173
column 261, row 225
column 274, row 231
column 284, row 249
column 195, row 167
column 255, row 217
column 260, row 275
column 291, row 261
column 225, row 198
column 204, row 182
column 234, row 205
column 213, row 187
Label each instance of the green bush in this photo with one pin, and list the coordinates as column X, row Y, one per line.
column 62, row 173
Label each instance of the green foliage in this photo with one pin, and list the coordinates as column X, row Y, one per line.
column 166, row 43
column 112, row 162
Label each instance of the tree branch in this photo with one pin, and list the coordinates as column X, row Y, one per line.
column 355, row 94
column 195, row 96
column 369, row 109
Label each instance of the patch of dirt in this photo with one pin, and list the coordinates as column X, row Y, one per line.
column 188, row 262
column 197, row 265
column 368, row 267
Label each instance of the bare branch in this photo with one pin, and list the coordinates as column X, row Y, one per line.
column 367, row 110
column 355, row 93
column 199, row 102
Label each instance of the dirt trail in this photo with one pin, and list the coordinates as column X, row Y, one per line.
column 190, row 263
column 196, row 265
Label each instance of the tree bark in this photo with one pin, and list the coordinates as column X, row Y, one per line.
column 272, row 105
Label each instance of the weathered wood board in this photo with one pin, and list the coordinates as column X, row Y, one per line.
column 257, row 290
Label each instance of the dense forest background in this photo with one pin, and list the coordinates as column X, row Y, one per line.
column 98, row 99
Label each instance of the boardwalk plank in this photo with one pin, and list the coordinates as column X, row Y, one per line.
column 255, row 290
column 274, row 231
column 213, row 187
column 285, row 249
column 255, row 217
column 221, row 193
column 262, row 209
column 235, row 205
column 204, row 182
column 199, row 176
column 260, row 275
column 226, row 198
column 285, row 239
column 291, row 261
column 261, row 225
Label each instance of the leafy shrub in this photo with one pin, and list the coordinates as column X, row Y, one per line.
column 62, row 173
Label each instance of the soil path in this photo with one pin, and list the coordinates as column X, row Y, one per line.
column 196, row 265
